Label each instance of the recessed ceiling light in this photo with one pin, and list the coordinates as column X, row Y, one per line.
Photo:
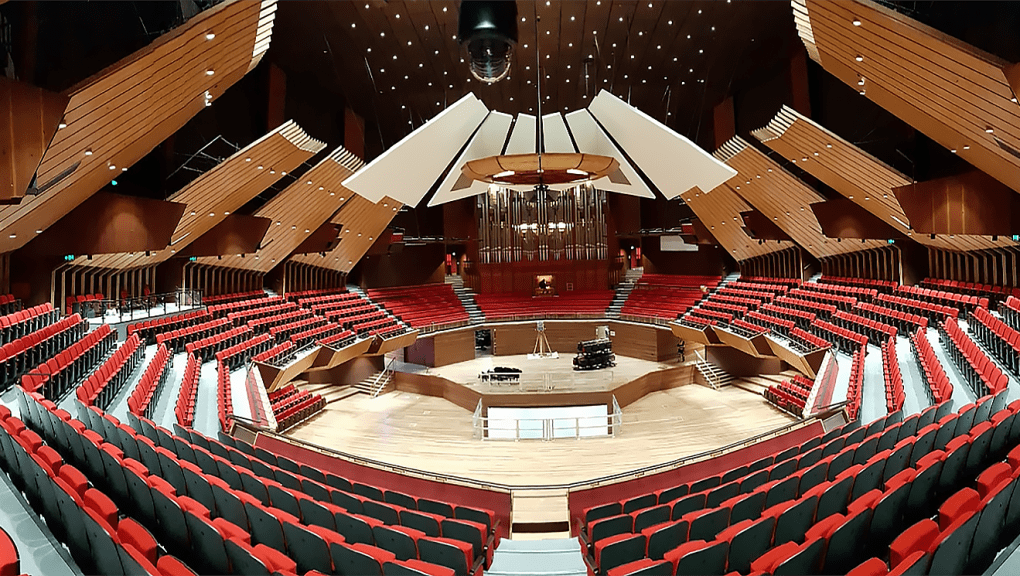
column 210, row 72
column 38, row 231
column 966, row 146
column 398, row 16
column 88, row 152
column 113, row 166
column 859, row 58
column 210, row 36
column 571, row 18
column 426, row 26
column 828, row 145
column 353, row 25
column 61, row 126
column 988, row 130
column 123, row 169
column 857, row 22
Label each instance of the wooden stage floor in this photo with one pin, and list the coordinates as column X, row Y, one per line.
column 434, row 435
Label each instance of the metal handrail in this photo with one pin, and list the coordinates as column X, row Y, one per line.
column 383, row 378
column 142, row 306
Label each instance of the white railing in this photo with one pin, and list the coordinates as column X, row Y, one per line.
column 383, row 378
column 547, row 428
column 587, row 381
column 706, row 369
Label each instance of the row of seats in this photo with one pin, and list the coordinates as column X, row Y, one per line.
column 837, row 300
column 846, row 341
column 759, row 295
column 277, row 354
column 425, row 306
column 267, row 323
column 24, row 354
column 206, row 348
column 993, row 293
column 184, row 410
column 78, row 304
column 790, row 395
column 894, row 394
column 58, row 374
column 664, row 302
column 696, row 322
column 746, row 329
column 224, row 397
column 870, row 283
column 799, row 317
column 223, row 310
column 873, row 329
column 1009, row 309
column 9, row 304
column 329, row 299
column 236, row 356
column 735, row 309
column 350, row 306
column 749, row 303
column 903, row 321
column 981, row 374
column 588, row 303
column 678, row 280
column 808, row 342
column 961, row 302
column 714, row 315
column 177, row 339
column 791, row 282
column 779, row 325
column 148, row 329
column 935, row 313
column 819, row 309
column 765, row 286
column 389, row 331
column 936, row 380
column 301, row 295
column 22, row 322
column 338, row 340
column 246, row 316
column 234, row 297
column 291, row 405
column 285, row 331
column 861, row 294
column 102, row 386
column 998, row 337
column 319, row 333
column 142, row 399
column 855, row 388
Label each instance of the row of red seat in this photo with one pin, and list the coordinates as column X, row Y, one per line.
column 266, row 324
column 56, row 376
column 789, row 395
column 18, row 324
column 285, row 331
column 236, row 356
column 744, row 327
column 320, row 333
column 185, row 407
column 588, row 303
column 102, row 385
column 389, row 331
column 734, row 309
column 837, row 300
column 234, row 297
column 1002, row 340
column 791, row 282
column 934, row 312
column 981, row 374
column 801, row 318
column 77, row 304
column 678, row 280
column 1009, row 309
column 870, row 283
column 9, row 304
column 760, row 295
column 864, row 294
column 383, row 327
column 749, row 303
column 779, row 325
column 319, row 293
column 962, row 302
column 936, row 380
column 811, row 342
column 855, row 388
column 24, row 354
column 148, row 329
column 652, row 301
column 894, row 394
column 246, row 316
column 222, row 310
column 761, row 286
column 903, row 321
column 696, row 322
column 711, row 314
column 276, row 354
column 426, row 306
column 845, row 340
column 992, row 292
column 142, row 399
column 206, row 348
column 873, row 329
column 291, row 406
column 340, row 340
column 224, row 397
column 176, row 340
column 354, row 304
column 328, row 299
column 819, row 309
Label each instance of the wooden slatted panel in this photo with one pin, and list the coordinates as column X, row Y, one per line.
column 950, row 91
column 362, row 222
column 297, row 211
column 124, row 112
column 719, row 210
column 224, row 189
column 782, row 197
column 29, row 117
column 855, row 174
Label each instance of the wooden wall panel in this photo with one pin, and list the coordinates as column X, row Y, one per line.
column 235, row 234
column 453, row 347
column 971, row 203
column 362, row 223
column 28, row 120
column 563, row 336
column 124, row 112
column 719, row 211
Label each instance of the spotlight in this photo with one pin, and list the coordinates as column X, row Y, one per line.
column 488, row 30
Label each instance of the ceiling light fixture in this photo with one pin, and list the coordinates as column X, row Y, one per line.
column 857, row 22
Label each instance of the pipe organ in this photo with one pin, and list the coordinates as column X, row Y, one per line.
column 542, row 225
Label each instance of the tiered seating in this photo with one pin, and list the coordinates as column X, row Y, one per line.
column 142, row 399
column 1002, row 340
column 185, row 407
column 903, row 321
column 734, row 309
column 246, row 316
column 790, row 395
column 291, row 405
column 305, row 294
column 344, row 308
column 799, row 317
column 223, row 310
column 935, row 313
column 9, row 304
column 206, row 348
column 746, row 329
column 1010, row 312
column 277, row 354
column 766, row 286
column 846, row 341
column 235, row 297
column 994, row 294
column 982, row 375
column 874, row 330
column 758, row 295
column 224, row 397
column 961, row 302
column 853, row 393
column 880, row 285
column 324, row 301
column 148, row 330
column 425, row 306
column 341, row 340
column 841, row 302
column 58, row 374
column 749, row 303
column 266, row 324
column 791, row 282
column 235, row 356
column 780, row 325
column 938, row 386
column 807, row 341
column 100, row 388
column 21, row 323
column 665, row 296
column 333, row 332
column 25, row 353
column 284, row 331
column 389, row 331
column 176, row 340
column 819, row 309
column 894, row 395
column 581, row 304
column 714, row 315
column 861, row 294
column 696, row 322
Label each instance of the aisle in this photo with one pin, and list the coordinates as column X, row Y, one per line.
column 915, row 389
column 873, row 388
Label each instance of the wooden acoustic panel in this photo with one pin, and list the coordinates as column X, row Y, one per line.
column 761, row 228
column 841, row 218
column 954, row 93
column 29, row 117
column 217, row 194
column 323, row 239
column 235, row 234
column 119, row 115
column 107, row 223
column 854, row 173
column 719, row 210
column 970, row 203
column 363, row 223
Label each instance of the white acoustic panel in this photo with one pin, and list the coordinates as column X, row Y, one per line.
column 591, row 139
column 408, row 170
column 555, row 135
column 522, row 141
column 673, row 163
column 487, row 141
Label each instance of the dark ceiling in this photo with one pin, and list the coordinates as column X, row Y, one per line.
column 397, row 63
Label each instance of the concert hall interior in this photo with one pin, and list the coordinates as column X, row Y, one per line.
column 509, row 287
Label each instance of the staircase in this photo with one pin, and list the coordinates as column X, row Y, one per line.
column 374, row 384
column 467, row 298
column 623, row 292
column 715, row 376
